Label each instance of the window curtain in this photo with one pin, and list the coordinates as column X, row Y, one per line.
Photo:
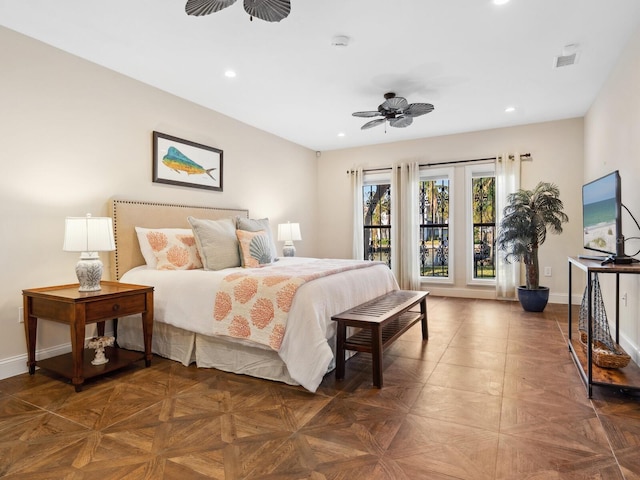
column 404, row 225
column 507, row 181
column 358, row 213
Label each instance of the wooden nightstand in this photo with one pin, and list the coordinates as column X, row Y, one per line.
column 65, row 304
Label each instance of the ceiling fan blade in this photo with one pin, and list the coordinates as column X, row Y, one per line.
column 268, row 10
column 401, row 121
column 373, row 123
column 366, row 114
column 417, row 109
column 205, row 7
column 394, row 104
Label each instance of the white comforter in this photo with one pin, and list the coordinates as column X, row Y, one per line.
column 185, row 299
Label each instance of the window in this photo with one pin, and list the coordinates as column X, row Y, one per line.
column 481, row 220
column 434, row 207
column 377, row 219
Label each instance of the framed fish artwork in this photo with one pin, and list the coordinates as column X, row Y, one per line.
column 187, row 164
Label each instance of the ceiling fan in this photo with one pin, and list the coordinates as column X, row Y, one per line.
column 396, row 110
column 267, row 10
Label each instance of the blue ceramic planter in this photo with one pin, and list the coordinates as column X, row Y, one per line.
column 533, row 300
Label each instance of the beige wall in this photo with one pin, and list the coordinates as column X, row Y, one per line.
column 75, row 134
column 612, row 142
column 557, row 152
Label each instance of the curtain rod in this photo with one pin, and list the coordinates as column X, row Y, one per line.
column 524, row 156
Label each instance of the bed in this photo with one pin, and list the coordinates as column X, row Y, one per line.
column 187, row 301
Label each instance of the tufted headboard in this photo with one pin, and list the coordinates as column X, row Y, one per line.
column 128, row 214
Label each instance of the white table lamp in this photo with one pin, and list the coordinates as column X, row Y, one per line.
column 88, row 235
column 289, row 233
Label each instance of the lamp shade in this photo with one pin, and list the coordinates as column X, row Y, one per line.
column 88, row 234
column 288, row 232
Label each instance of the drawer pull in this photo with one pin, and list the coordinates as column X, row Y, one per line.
column 116, row 307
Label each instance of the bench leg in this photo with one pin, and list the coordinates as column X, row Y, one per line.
column 341, row 335
column 423, row 311
column 376, row 354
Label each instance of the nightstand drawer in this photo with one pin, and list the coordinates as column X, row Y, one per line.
column 116, row 307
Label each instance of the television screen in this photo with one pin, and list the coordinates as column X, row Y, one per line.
column 601, row 215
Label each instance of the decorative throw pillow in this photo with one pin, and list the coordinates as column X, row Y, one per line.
column 169, row 248
column 255, row 248
column 255, row 225
column 217, row 242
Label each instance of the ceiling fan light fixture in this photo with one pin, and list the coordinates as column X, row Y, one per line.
column 395, row 110
column 199, row 8
column 267, row 10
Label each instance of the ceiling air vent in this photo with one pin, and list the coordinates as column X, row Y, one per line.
column 569, row 56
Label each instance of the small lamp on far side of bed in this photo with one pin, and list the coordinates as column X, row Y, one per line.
column 288, row 233
column 88, row 235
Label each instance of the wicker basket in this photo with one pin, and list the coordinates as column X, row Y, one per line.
column 602, row 356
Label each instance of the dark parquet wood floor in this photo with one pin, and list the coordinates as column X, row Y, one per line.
column 493, row 394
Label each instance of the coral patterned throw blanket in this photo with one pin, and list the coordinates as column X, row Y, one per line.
column 254, row 305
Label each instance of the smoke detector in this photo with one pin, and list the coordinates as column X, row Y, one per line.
column 570, row 55
column 340, row 41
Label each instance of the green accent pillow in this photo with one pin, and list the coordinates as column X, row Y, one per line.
column 217, row 242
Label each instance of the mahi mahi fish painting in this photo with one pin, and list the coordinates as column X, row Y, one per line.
column 185, row 163
column 178, row 162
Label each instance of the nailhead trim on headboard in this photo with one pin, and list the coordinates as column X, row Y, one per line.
column 128, row 214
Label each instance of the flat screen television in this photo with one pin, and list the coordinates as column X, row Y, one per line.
column 602, row 217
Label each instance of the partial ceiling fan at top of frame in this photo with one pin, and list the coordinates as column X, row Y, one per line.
column 267, row 10
column 396, row 110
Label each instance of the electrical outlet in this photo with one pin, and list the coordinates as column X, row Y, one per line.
column 547, row 271
column 20, row 314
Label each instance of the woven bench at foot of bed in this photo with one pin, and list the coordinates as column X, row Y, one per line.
column 382, row 321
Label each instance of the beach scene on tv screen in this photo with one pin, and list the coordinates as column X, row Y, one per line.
column 599, row 215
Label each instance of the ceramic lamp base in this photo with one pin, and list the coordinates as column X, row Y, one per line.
column 288, row 250
column 89, row 273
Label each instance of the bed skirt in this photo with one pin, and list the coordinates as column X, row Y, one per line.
column 207, row 352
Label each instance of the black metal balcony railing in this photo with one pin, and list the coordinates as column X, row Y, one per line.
column 377, row 243
column 434, row 250
column 484, row 264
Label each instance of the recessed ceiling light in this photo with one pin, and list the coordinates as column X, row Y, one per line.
column 341, row 134
column 230, row 74
column 500, row 2
column 510, row 109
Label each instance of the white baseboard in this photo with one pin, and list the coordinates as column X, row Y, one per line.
column 12, row 366
column 490, row 294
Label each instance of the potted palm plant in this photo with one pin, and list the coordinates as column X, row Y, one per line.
column 527, row 216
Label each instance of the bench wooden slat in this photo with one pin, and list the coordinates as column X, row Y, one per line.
column 382, row 321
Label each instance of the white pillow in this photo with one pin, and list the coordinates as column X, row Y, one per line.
column 169, row 248
column 217, row 242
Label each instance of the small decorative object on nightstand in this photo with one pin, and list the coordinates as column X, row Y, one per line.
column 288, row 233
column 98, row 344
column 88, row 235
